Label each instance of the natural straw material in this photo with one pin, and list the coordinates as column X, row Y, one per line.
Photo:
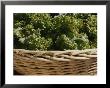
column 69, row 62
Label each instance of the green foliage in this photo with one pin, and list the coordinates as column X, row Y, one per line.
column 82, row 41
column 44, row 31
column 64, row 43
column 37, row 42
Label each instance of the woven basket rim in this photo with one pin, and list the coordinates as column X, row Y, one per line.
column 59, row 55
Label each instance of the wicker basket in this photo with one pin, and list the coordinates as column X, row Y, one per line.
column 70, row 62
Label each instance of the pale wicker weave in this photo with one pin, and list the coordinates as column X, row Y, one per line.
column 70, row 62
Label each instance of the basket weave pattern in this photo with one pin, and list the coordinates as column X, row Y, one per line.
column 70, row 62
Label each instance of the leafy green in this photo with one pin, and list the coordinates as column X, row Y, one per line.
column 55, row 31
